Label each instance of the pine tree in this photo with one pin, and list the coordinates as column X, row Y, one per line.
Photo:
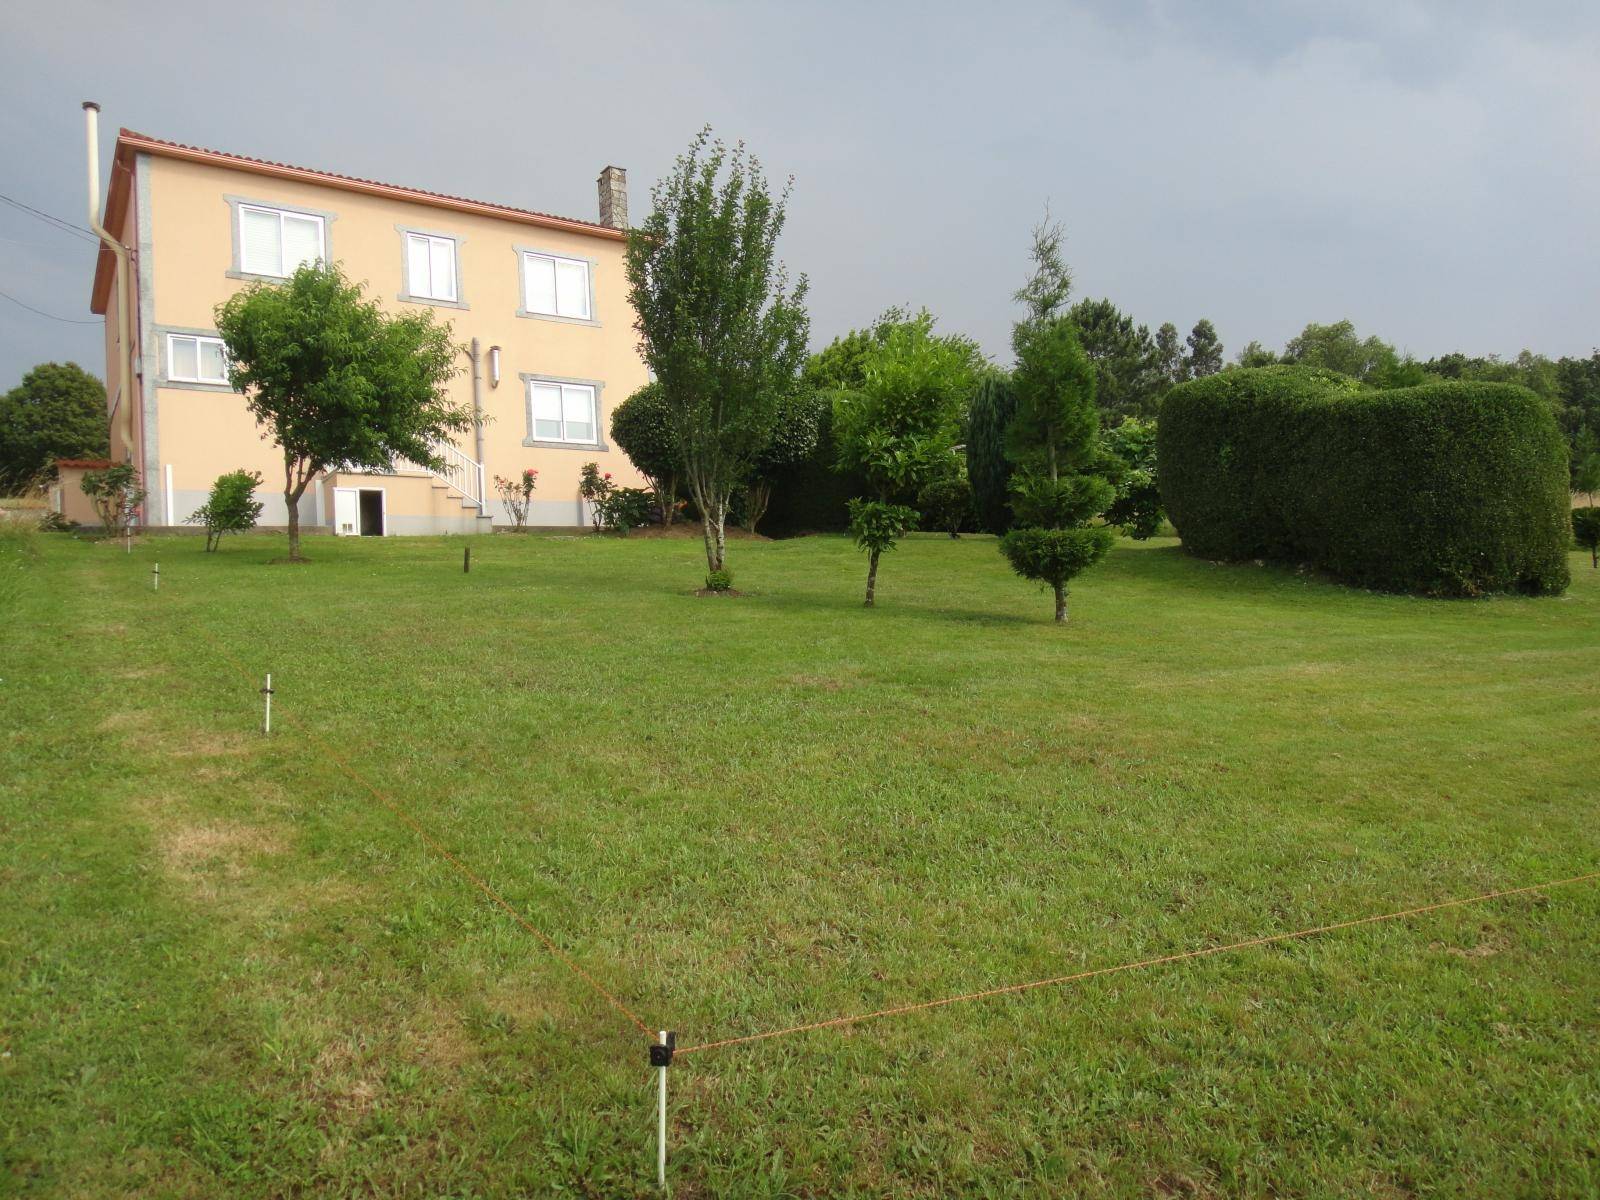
column 1128, row 380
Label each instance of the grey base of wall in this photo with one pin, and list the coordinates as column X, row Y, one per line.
column 554, row 515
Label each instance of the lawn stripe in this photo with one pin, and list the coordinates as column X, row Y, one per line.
column 436, row 846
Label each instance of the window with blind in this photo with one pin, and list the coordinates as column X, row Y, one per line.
column 196, row 359
column 555, row 287
column 431, row 267
column 562, row 412
column 275, row 242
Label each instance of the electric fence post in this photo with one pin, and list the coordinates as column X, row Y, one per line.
column 661, row 1059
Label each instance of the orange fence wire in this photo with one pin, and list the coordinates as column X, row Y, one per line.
column 1160, row 960
column 605, row 993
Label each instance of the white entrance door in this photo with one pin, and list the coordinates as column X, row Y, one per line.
column 347, row 511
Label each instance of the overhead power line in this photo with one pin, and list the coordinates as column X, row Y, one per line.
column 55, row 222
column 48, row 316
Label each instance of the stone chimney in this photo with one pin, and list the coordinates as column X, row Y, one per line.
column 614, row 197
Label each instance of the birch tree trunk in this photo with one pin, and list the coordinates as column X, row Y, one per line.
column 714, row 517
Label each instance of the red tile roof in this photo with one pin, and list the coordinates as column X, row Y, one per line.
column 130, row 144
column 142, row 141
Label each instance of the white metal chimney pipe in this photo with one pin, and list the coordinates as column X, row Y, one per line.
column 125, row 366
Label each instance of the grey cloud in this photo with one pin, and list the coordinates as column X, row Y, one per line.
column 1429, row 170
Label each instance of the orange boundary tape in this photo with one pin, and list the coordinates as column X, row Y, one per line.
column 1078, row 976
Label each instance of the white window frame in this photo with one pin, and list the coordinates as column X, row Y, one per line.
column 413, row 292
column 564, row 387
column 322, row 235
column 196, row 338
column 527, row 310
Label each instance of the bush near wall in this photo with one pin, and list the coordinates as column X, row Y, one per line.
column 1447, row 489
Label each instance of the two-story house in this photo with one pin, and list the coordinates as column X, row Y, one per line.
column 538, row 302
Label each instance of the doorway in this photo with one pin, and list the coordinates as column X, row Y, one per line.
column 371, row 512
column 358, row 512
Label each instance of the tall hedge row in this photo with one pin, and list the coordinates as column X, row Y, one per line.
column 1448, row 489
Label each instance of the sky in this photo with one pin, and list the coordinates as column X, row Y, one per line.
column 1429, row 170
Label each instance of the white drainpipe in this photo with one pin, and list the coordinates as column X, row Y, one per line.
column 126, row 385
column 477, row 423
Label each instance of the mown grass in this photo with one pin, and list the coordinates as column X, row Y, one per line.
column 228, row 970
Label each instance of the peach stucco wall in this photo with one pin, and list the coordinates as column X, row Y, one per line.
column 121, row 410
column 202, row 433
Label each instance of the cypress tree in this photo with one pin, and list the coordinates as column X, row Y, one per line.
column 988, row 469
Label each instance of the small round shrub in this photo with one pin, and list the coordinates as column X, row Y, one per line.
column 720, row 581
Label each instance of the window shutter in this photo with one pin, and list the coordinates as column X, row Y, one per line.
column 260, row 242
column 578, row 407
column 185, row 362
column 213, row 365
column 302, row 241
column 572, row 288
column 442, row 260
column 546, row 401
column 541, row 284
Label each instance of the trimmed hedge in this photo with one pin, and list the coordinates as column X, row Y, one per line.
column 1447, row 489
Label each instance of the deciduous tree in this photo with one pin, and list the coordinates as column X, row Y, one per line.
column 57, row 411
column 946, row 501
column 1337, row 347
column 231, row 507
column 1586, row 529
column 719, row 323
column 1205, row 350
column 899, row 430
column 115, row 492
column 1136, row 508
column 1169, row 354
column 337, row 381
column 1256, row 355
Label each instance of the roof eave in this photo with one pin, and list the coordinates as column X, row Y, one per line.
column 137, row 142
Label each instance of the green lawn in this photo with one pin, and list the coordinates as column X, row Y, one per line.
column 227, row 970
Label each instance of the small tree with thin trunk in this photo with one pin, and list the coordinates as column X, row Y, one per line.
column 1052, row 437
column 116, row 493
column 1586, row 531
column 900, row 429
column 720, row 325
column 946, row 500
column 336, row 380
column 231, row 507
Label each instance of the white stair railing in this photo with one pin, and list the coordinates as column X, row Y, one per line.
column 458, row 471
